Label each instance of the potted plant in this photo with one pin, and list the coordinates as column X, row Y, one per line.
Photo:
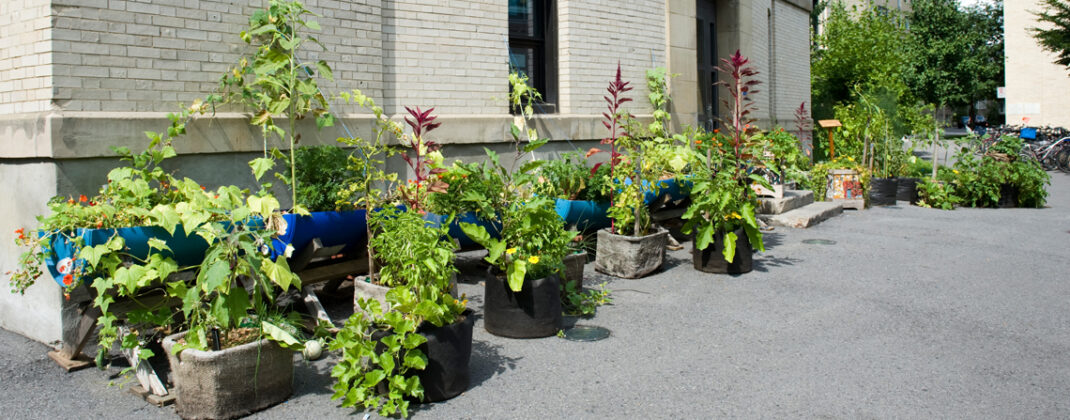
column 722, row 210
column 522, row 296
column 578, row 191
column 417, row 346
column 631, row 247
column 235, row 356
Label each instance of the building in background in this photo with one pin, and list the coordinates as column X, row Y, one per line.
column 1037, row 90
column 78, row 77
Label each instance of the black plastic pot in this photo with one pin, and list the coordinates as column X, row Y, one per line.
column 711, row 259
column 1008, row 196
column 882, row 191
column 907, row 190
column 534, row 311
column 448, row 349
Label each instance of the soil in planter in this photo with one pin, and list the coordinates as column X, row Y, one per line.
column 231, row 338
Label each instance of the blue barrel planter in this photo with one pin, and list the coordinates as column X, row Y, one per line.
column 673, row 188
column 185, row 250
column 455, row 232
column 585, row 215
column 333, row 228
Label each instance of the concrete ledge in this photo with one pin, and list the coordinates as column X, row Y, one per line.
column 792, row 200
column 75, row 135
column 805, row 216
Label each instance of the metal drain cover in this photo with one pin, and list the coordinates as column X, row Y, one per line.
column 819, row 242
column 585, row 333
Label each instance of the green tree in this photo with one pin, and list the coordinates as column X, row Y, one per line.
column 1056, row 38
column 861, row 47
column 957, row 53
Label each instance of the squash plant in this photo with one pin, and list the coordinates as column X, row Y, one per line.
column 722, row 200
column 380, row 350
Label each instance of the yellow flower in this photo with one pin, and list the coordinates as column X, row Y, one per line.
column 851, row 159
column 533, row 259
column 956, row 171
column 510, row 251
column 736, row 215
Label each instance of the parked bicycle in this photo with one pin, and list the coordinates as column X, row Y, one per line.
column 1051, row 155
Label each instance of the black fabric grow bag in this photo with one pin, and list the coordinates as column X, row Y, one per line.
column 711, row 259
column 1008, row 196
column 908, row 190
column 448, row 349
column 882, row 191
column 534, row 311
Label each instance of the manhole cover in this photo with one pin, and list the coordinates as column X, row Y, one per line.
column 819, row 242
column 585, row 333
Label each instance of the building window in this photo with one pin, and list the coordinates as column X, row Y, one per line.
column 533, row 47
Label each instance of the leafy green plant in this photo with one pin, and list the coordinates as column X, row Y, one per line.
column 275, row 82
column 584, row 302
column 979, row 181
column 424, row 160
column 570, row 179
column 323, row 173
column 936, row 194
column 722, row 200
column 380, row 350
column 533, row 245
column 471, row 187
column 788, row 159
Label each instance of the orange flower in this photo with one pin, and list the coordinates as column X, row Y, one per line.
column 202, row 188
column 82, row 198
column 68, row 280
column 100, row 224
column 698, row 141
column 70, row 201
column 716, row 130
column 217, row 196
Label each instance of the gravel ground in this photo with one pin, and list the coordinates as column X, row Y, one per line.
column 912, row 313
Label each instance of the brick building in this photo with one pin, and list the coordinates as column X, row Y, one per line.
column 80, row 76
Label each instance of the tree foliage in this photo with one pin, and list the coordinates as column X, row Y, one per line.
column 957, row 54
column 1056, row 37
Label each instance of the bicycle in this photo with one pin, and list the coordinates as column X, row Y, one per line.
column 1051, row 156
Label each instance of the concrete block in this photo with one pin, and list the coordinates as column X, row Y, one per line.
column 805, row 216
column 792, row 200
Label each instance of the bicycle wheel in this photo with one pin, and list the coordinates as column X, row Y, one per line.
column 1063, row 159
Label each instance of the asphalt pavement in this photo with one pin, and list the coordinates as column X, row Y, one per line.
column 911, row 313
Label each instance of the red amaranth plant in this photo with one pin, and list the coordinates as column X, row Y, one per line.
column 422, row 122
column 739, row 102
column 617, row 88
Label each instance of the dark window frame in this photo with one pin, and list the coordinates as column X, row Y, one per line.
column 542, row 41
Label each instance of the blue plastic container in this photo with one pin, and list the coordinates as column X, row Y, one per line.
column 672, row 188
column 187, row 250
column 585, row 215
column 455, row 232
column 1028, row 133
column 348, row 228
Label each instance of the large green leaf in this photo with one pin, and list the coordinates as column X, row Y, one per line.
column 729, row 246
column 166, row 217
column 518, row 269
column 261, row 166
column 281, row 336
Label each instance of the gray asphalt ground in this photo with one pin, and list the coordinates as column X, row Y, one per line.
column 912, row 313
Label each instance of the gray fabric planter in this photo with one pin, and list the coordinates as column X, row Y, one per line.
column 630, row 257
column 229, row 383
column 574, row 269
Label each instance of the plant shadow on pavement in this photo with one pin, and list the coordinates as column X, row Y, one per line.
column 762, row 263
column 488, row 360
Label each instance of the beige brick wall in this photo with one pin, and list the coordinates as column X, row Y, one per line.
column 792, row 61
column 1036, row 88
column 784, row 64
column 593, row 36
column 127, row 55
column 25, row 61
column 446, row 54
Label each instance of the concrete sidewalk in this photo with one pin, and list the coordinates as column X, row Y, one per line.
column 912, row 313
